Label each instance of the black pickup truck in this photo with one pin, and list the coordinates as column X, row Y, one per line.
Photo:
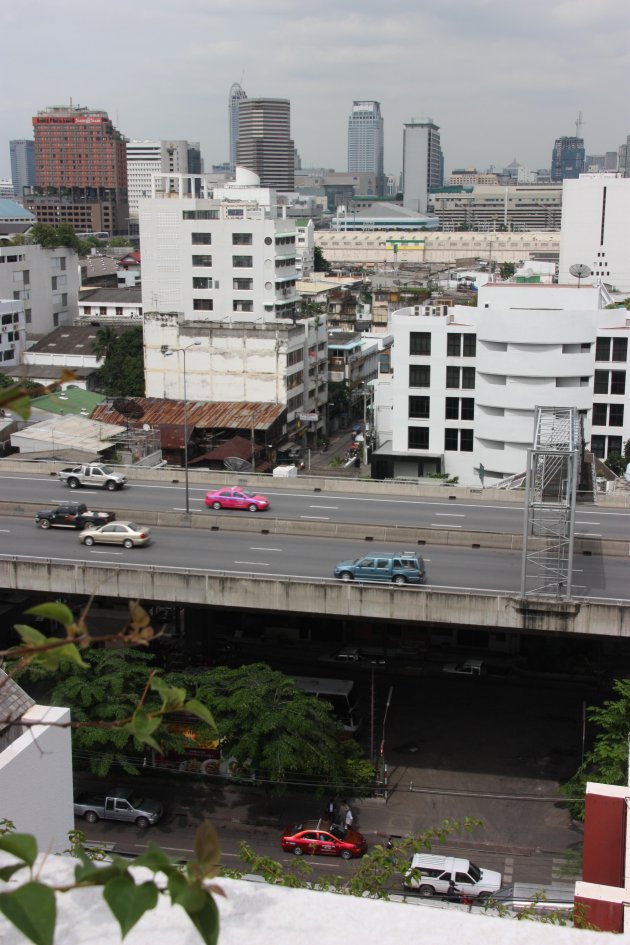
column 72, row 515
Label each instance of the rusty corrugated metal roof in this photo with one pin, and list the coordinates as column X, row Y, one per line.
column 200, row 414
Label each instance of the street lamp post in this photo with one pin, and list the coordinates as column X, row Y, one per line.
column 383, row 765
column 167, row 351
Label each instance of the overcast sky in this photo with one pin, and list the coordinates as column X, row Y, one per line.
column 501, row 78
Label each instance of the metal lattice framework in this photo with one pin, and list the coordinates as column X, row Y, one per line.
column 552, row 470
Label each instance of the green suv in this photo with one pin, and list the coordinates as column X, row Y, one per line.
column 401, row 567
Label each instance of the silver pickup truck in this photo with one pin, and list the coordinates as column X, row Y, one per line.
column 122, row 805
column 92, row 474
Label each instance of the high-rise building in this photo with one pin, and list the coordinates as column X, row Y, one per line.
column 22, row 165
column 264, row 141
column 623, row 158
column 80, row 161
column 567, row 159
column 423, row 163
column 365, row 142
column 145, row 158
column 236, row 96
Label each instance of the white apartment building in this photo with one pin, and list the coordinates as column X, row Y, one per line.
column 218, row 258
column 12, row 333
column 466, row 381
column 596, row 229
column 45, row 281
column 146, row 158
column 110, row 304
column 241, row 360
column 304, row 248
column 422, row 163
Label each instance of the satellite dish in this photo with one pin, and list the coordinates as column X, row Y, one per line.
column 146, row 427
column 580, row 271
column 236, row 464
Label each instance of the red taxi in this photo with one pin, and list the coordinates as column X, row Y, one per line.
column 233, row 497
column 323, row 838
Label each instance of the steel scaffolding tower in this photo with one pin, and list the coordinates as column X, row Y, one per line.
column 552, row 470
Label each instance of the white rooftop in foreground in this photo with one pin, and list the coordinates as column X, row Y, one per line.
column 258, row 914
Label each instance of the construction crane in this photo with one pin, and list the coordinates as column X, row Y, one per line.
column 578, row 124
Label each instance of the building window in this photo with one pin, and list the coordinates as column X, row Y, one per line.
column 453, row 345
column 468, row 408
column 451, row 411
column 241, row 239
column 201, row 239
column 295, row 357
column 53, row 283
column 295, row 380
column 202, row 261
column 200, row 215
column 420, row 343
column 27, row 313
column 466, row 441
column 600, row 384
column 470, row 346
column 240, row 305
column 614, row 445
column 452, row 377
column 201, row 282
column 602, row 349
column 242, row 262
column 617, row 382
column 419, row 408
column 119, row 311
column 418, row 438
column 468, row 378
column 615, row 415
column 600, row 412
column 202, row 305
column 451, row 439
column 419, row 375
column 598, row 445
column 620, row 349
column 242, row 285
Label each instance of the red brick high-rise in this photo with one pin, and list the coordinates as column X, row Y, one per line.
column 81, row 164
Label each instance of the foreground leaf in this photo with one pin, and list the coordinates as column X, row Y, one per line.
column 128, row 902
column 201, row 711
column 207, row 849
column 206, row 920
column 60, row 613
column 21, row 845
column 32, row 910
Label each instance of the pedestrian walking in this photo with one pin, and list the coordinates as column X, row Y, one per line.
column 331, row 810
column 348, row 819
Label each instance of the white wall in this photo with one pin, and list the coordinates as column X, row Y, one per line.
column 36, row 779
column 45, row 307
column 596, row 229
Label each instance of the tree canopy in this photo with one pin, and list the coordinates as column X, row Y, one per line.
column 122, row 374
column 321, row 263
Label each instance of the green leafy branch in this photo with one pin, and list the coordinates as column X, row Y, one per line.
column 32, row 906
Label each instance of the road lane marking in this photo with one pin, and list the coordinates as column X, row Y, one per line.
column 318, row 518
column 588, row 534
column 444, row 525
column 334, row 507
column 7, row 530
column 265, row 549
column 258, row 564
column 450, row 514
column 587, row 523
column 105, row 552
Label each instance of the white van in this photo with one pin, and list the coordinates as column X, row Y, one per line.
column 432, row 875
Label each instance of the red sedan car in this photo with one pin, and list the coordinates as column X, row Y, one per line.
column 323, row 838
column 233, row 497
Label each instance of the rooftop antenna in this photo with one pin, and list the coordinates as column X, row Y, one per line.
column 580, row 271
column 242, row 77
column 578, row 124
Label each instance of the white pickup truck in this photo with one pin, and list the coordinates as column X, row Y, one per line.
column 92, row 474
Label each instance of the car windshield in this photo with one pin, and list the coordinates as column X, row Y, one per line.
column 107, row 470
column 474, row 872
column 135, row 800
column 246, row 492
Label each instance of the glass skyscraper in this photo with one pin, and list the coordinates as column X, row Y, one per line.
column 365, row 142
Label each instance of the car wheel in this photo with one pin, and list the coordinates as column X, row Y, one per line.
column 346, row 576
column 88, row 540
column 91, row 817
column 110, row 485
column 426, row 891
column 142, row 822
column 88, row 526
column 252, row 508
column 399, row 579
column 216, row 505
column 346, row 855
column 73, row 483
column 44, row 523
column 484, row 896
column 298, row 851
column 127, row 543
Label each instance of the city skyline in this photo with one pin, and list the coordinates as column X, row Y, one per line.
column 500, row 82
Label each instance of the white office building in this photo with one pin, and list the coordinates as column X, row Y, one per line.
column 365, row 143
column 595, row 229
column 423, row 165
column 218, row 257
column 466, row 381
column 46, row 281
column 146, row 158
column 12, row 332
column 236, row 96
